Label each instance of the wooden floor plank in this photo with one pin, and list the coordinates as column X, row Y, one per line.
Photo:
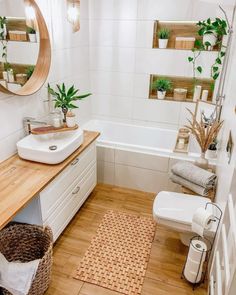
column 168, row 254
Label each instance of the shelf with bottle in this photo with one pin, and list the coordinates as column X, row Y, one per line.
column 181, row 89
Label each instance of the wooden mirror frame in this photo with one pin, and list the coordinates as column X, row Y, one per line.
column 42, row 66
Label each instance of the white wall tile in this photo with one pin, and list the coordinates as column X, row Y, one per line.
column 113, row 9
column 112, row 83
column 142, row 160
column 141, row 85
column 106, row 105
column 112, row 59
column 145, row 34
column 106, row 154
column 157, row 111
column 120, row 33
column 140, row 179
column 106, row 172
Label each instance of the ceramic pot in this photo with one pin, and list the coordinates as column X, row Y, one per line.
column 202, row 162
column 161, row 94
column 32, row 38
column 70, row 121
column 5, row 75
column 11, row 77
column 211, row 38
column 210, row 154
column 163, row 43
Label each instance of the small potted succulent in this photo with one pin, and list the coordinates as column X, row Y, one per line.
column 161, row 86
column 212, row 31
column 163, row 37
column 211, row 152
column 65, row 98
column 32, row 34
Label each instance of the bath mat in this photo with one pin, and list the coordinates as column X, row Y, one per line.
column 118, row 255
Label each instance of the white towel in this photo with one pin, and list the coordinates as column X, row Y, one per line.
column 17, row 277
column 194, row 174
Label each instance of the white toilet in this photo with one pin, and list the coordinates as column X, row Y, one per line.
column 176, row 210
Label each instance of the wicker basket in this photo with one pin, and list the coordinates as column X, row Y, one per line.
column 24, row 242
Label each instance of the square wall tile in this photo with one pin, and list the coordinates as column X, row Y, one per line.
column 140, row 179
column 156, row 111
column 121, row 33
column 112, row 83
column 112, row 59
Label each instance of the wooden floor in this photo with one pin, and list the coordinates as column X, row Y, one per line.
column 167, row 255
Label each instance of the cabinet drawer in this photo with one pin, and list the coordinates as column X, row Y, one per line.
column 55, row 192
column 59, row 219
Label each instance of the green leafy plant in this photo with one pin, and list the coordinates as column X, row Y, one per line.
column 65, row 98
column 3, row 22
column 29, row 71
column 163, row 33
column 31, row 30
column 162, row 84
column 218, row 27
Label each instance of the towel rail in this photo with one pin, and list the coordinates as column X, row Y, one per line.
column 232, row 217
column 218, row 274
column 225, row 254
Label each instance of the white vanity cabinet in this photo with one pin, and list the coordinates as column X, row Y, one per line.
column 63, row 197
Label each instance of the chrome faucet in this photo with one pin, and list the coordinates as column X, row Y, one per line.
column 28, row 121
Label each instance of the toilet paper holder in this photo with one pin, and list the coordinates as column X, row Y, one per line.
column 205, row 255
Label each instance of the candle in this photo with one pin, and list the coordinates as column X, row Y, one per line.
column 204, row 95
column 181, row 143
column 197, row 92
column 56, row 122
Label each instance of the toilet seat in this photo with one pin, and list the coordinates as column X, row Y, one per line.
column 176, row 210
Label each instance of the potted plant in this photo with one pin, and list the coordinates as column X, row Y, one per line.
column 212, row 31
column 29, row 71
column 32, row 34
column 205, row 134
column 3, row 27
column 163, row 37
column 65, row 98
column 162, row 85
column 211, row 153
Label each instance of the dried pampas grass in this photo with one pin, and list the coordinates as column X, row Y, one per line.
column 204, row 134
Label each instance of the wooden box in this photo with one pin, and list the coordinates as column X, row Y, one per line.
column 184, row 42
column 17, row 36
column 180, row 94
column 21, row 78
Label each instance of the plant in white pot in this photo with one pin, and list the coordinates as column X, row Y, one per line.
column 162, row 85
column 163, row 37
column 211, row 152
column 32, row 34
column 65, row 98
column 205, row 134
column 212, row 32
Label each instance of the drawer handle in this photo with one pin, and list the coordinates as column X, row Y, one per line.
column 75, row 162
column 76, row 190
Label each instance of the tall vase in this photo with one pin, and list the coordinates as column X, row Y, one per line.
column 202, row 162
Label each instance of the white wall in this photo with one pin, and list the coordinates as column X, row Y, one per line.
column 70, row 64
column 122, row 58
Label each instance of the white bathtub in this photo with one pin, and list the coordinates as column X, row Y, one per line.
column 136, row 157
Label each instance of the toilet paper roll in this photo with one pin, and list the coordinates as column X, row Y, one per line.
column 194, row 264
column 197, row 250
column 201, row 221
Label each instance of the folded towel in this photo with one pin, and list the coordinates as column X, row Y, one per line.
column 190, row 185
column 17, row 277
column 195, row 174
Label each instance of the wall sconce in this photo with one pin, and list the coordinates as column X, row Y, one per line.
column 73, row 14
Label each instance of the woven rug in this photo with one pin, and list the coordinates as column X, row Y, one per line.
column 118, row 255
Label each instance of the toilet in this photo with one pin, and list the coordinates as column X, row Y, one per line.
column 175, row 210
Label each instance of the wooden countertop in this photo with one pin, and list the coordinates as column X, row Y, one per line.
column 21, row 180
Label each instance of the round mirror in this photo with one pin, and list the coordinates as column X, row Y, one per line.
column 25, row 52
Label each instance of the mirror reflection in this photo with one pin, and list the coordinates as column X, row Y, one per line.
column 19, row 43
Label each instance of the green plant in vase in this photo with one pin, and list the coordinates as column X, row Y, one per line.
column 163, row 37
column 29, row 71
column 66, row 97
column 162, row 85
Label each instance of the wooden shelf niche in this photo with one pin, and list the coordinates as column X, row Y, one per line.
column 17, row 24
column 17, row 68
column 177, row 29
column 182, row 82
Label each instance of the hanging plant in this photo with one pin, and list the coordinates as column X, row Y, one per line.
column 3, row 22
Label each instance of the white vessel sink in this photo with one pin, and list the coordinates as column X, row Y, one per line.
column 50, row 148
